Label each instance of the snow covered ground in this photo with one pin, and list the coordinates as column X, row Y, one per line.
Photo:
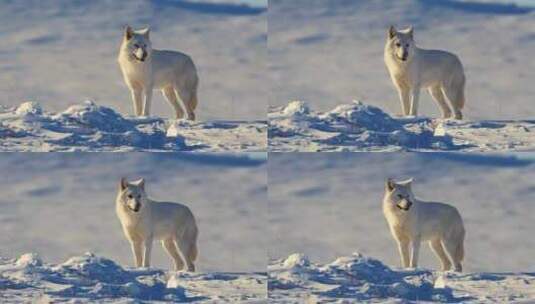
column 89, row 278
column 63, row 52
column 61, row 205
column 328, row 205
column 359, row 127
column 329, row 52
column 360, row 279
column 89, row 127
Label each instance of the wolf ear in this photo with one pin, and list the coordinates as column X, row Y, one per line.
column 123, row 184
column 140, row 183
column 406, row 183
column 128, row 32
column 390, row 185
column 391, row 32
column 145, row 32
column 410, row 32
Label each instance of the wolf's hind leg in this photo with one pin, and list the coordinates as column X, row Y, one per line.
column 436, row 246
column 170, row 96
column 438, row 96
column 170, row 247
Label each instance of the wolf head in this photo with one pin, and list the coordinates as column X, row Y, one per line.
column 399, row 194
column 132, row 194
column 400, row 43
column 137, row 44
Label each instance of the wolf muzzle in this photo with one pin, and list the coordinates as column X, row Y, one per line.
column 406, row 207
column 136, row 208
column 143, row 56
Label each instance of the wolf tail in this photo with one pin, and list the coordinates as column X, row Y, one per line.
column 193, row 85
column 460, row 99
column 459, row 252
column 194, row 101
column 194, row 251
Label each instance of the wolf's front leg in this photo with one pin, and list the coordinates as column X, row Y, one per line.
column 405, row 99
column 148, row 101
column 137, row 251
column 415, row 99
column 147, row 248
column 414, row 252
column 137, row 99
column 403, row 247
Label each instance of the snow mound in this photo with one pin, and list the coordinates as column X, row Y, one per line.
column 357, row 278
column 89, row 278
column 90, row 127
column 360, row 127
column 348, row 127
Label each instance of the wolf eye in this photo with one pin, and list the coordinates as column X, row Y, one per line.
column 398, row 44
column 130, row 196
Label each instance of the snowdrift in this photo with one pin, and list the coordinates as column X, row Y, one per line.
column 89, row 127
column 359, row 279
column 89, row 278
column 361, row 127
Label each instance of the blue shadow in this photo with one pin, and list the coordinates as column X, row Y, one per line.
column 212, row 8
column 479, row 7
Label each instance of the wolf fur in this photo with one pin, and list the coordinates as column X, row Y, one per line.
column 144, row 220
column 412, row 68
column 145, row 69
column 412, row 221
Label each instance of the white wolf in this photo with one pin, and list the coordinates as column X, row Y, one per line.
column 144, row 220
column 412, row 221
column 412, row 68
column 145, row 69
